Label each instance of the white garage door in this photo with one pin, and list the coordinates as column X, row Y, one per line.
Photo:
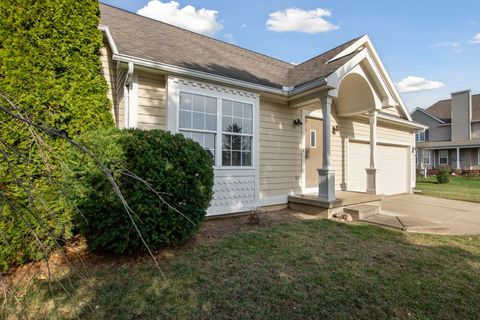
column 391, row 163
column 358, row 161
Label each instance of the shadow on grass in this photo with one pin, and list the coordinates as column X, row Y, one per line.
column 312, row 269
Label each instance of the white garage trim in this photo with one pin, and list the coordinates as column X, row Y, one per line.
column 356, row 175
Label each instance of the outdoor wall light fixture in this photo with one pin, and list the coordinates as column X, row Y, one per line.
column 297, row 122
column 335, row 129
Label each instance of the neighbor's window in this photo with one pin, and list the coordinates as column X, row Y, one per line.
column 426, row 157
column 313, row 139
column 443, row 157
column 198, row 120
column 420, row 136
column 237, row 133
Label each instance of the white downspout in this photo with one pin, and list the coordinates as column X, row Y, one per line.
column 127, row 84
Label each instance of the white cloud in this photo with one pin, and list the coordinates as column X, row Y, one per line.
column 414, row 84
column 475, row 39
column 455, row 46
column 294, row 19
column 202, row 21
column 243, row 26
column 230, row 38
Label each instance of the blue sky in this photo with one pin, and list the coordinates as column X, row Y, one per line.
column 437, row 41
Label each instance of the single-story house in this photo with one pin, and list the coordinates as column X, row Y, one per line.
column 452, row 139
column 335, row 122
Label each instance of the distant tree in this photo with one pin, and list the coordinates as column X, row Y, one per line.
column 50, row 66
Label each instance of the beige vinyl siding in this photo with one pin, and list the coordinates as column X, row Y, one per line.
column 151, row 101
column 280, row 150
column 109, row 72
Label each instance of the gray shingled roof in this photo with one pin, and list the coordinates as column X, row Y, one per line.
column 153, row 40
column 443, row 109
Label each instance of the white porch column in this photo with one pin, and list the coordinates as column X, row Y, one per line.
column 372, row 172
column 458, row 158
column 326, row 183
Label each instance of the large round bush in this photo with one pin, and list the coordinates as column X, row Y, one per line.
column 176, row 168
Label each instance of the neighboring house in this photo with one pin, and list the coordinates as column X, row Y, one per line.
column 453, row 136
column 273, row 129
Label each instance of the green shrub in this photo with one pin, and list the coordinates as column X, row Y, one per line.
column 50, row 68
column 176, row 167
column 443, row 176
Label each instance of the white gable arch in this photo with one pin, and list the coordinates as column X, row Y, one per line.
column 371, row 62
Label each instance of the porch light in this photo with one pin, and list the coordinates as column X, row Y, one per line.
column 297, row 122
column 335, row 129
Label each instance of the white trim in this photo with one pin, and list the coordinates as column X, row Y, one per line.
column 400, row 121
column 428, row 114
column 429, row 153
column 440, row 157
column 110, row 40
column 197, row 74
column 313, row 114
column 177, row 85
column 420, row 136
column 133, row 105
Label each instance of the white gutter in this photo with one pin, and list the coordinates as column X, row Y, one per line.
column 127, row 83
column 197, row 74
column 400, row 121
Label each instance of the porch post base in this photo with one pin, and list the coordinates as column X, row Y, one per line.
column 326, row 185
column 372, row 179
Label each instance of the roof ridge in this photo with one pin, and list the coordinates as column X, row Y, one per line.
column 202, row 35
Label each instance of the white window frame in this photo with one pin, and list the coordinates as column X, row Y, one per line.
column 193, row 130
column 314, row 145
column 440, row 153
column 174, row 89
column 419, row 135
column 427, row 154
column 222, row 133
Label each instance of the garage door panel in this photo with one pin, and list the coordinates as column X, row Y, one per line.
column 358, row 161
column 391, row 165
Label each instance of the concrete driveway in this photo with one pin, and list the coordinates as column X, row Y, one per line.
column 432, row 215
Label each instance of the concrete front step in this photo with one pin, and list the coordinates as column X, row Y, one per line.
column 362, row 211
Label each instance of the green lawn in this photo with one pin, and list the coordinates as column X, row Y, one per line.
column 313, row 269
column 459, row 188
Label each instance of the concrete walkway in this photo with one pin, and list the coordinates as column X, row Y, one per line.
column 417, row 213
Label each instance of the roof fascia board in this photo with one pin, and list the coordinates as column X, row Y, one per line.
column 111, row 42
column 384, row 85
column 428, row 114
column 197, row 74
column 404, row 122
column 389, row 81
